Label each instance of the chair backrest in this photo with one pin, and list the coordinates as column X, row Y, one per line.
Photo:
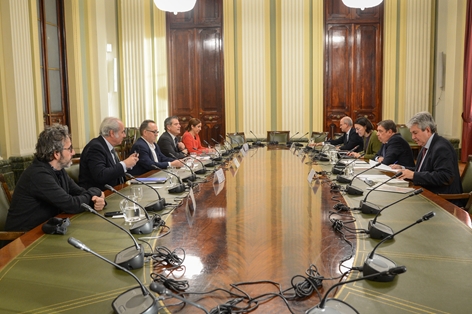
column 466, row 177
column 237, row 138
column 278, row 136
column 337, row 135
column 405, row 133
column 4, row 204
column 73, row 172
column 319, row 137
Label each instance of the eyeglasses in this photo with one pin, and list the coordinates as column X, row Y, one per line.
column 155, row 132
column 70, row 148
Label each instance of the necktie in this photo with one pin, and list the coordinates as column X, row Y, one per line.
column 116, row 159
column 176, row 141
column 422, row 157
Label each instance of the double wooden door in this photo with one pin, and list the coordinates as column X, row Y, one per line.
column 195, row 53
column 353, row 63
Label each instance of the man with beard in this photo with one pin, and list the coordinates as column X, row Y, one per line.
column 44, row 189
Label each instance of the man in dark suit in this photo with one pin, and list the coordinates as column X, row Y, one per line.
column 149, row 153
column 99, row 163
column 350, row 138
column 169, row 142
column 395, row 149
column 437, row 166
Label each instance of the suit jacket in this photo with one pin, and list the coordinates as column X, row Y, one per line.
column 396, row 150
column 146, row 160
column 439, row 172
column 348, row 144
column 97, row 166
column 168, row 147
column 42, row 193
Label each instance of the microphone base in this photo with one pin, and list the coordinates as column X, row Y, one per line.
column 333, row 306
column 211, row 164
column 376, row 265
column 379, row 230
column 192, row 177
column 337, row 170
column 130, row 258
column 158, row 205
column 177, row 189
column 144, row 226
column 369, row 208
column 133, row 301
column 354, row 190
column 216, row 159
column 201, row 171
column 343, row 179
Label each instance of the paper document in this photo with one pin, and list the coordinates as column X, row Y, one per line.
column 382, row 167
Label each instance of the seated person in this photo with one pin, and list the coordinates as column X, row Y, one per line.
column 150, row 155
column 99, row 163
column 437, row 166
column 191, row 139
column 394, row 149
column 366, row 131
column 44, row 189
column 350, row 139
column 169, row 142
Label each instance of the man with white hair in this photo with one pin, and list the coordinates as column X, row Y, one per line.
column 99, row 163
column 350, row 138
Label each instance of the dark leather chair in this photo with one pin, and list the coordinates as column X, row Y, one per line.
column 5, row 200
column 466, row 179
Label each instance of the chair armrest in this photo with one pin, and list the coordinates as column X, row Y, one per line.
column 10, row 235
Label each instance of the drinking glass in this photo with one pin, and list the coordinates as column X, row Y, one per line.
column 172, row 179
column 137, row 191
column 130, row 210
column 333, row 156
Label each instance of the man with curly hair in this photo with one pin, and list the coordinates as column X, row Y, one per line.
column 44, row 189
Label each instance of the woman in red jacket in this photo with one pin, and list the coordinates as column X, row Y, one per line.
column 191, row 139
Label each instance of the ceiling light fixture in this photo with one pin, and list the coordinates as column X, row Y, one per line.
column 360, row 4
column 175, row 6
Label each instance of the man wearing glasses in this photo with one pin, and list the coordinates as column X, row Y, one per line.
column 99, row 162
column 44, row 189
column 149, row 153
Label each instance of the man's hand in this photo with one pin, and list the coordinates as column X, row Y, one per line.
column 131, row 161
column 98, row 202
column 176, row 163
column 407, row 174
column 181, row 146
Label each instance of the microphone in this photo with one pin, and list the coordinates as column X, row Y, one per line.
column 129, row 258
column 215, row 158
column 144, row 226
column 161, row 290
column 154, row 206
column 289, row 142
column 227, row 151
column 298, row 144
column 237, row 147
column 371, row 208
column 192, row 177
column 257, row 142
column 134, row 300
column 379, row 230
column 219, row 153
column 333, row 306
column 177, row 189
column 353, row 190
column 339, row 167
column 199, row 171
column 345, row 153
column 375, row 263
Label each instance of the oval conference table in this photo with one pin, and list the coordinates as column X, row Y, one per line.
column 258, row 233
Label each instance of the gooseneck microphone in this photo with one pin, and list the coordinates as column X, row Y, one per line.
column 257, row 142
column 229, row 145
column 134, row 300
column 339, row 167
column 192, row 177
column 377, row 230
column 289, row 142
column 352, row 190
column 371, row 208
column 158, row 288
column 177, row 189
column 214, row 158
column 334, row 306
column 376, row 263
column 297, row 143
column 154, row 206
column 144, row 226
column 203, row 170
column 129, row 258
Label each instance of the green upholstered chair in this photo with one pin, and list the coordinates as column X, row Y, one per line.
column 237, row 138
column 319, row 137
column 5, row 200
column 466, row 179
column 73, row 170
column 406, row 134
column 337, row 135
column 278, row 136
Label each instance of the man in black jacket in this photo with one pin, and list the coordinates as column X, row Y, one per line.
column 169, row 142
column 350, row 139
column 395, row 149
column 437, row 167
column 99, row 163
column 44, row 189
